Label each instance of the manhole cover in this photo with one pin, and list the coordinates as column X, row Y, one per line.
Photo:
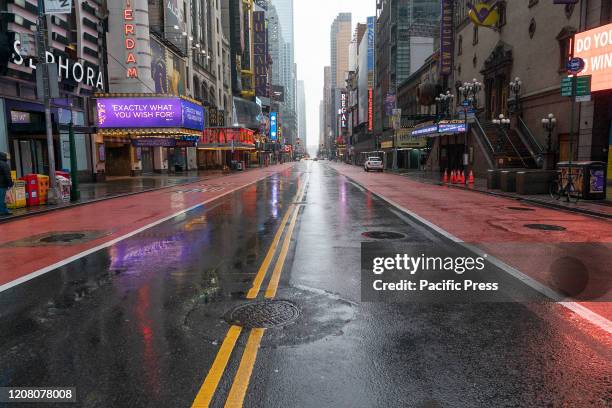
column 266, row 314
column 65, row 238
column 383, row 235
column 55, row 238
column 545, row 227
column 521, row 209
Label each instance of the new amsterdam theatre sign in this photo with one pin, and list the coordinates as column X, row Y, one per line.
column 66, row 68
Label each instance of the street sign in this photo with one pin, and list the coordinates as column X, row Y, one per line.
column 58, row 6
column 583, row 86
column 574, row 66
column 584, row 98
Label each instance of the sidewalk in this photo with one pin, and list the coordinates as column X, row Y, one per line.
column 33, row 246
column 590, row 207
column 115, row 187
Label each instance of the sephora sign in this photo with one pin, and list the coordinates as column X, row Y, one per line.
column 66, row 68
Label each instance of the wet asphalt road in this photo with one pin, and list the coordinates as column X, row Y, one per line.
column 139, row 324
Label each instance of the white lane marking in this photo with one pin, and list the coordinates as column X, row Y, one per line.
column 575, row 307
column 357, row 185
column 73, row 258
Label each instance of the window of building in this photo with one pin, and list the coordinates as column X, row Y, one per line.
column 501, row 10
column 564, row 38
column 460, row 45
column 475, row 35
column 606, row 12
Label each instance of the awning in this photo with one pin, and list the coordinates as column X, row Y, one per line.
column 149, row 132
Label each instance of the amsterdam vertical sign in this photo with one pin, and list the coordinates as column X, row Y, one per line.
column 446, row 37
column 260, row 53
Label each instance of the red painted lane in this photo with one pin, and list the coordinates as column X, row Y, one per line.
column 115, row 218
column 487, row 222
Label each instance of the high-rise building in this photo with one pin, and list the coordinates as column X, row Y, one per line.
column 327, row 107
column 404, row 39
column 301, row 111
column 287, row 78
column 340, row 38
column 321, row 124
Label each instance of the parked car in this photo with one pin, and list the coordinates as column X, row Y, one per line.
column 373, row 163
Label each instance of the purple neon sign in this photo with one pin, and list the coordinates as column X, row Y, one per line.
column 149, row 113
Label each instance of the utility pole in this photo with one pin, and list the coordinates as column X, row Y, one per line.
column 74, row 190
column 41, row 47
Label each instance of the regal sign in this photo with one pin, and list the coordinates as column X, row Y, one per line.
column 343, row 105
column 66, row 68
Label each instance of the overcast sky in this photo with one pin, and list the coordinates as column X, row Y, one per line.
column 312, row 21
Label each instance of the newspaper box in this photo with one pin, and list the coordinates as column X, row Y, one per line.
column 43, row 188
column 63, row 186
column 16, row 195
column 31, row 189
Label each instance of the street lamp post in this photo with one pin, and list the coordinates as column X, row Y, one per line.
column 503, row 123
column 444, row 101
column 549, row 123
column 469, row 91
column 41, row 49
column 515, row 87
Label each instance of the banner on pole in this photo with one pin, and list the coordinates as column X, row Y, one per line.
column 58, row 6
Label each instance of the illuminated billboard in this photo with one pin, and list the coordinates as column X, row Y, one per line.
column 273, row 126
column 595, row 48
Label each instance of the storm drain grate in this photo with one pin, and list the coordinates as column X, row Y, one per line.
column 520, row 208
column 383, row 235
column 56, row 238
column 545, row 227
column 266, row 314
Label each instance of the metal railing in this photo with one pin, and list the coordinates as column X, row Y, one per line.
column 518, row 154
column 481, row 135
column 532, row 144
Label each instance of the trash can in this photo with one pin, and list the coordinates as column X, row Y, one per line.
column 493, row 179
column 589, row 178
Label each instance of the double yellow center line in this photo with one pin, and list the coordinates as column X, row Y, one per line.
column 240, row 384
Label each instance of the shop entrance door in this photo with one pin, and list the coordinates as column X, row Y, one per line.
column 146, row 155
column 30, row 157
column 118, row 160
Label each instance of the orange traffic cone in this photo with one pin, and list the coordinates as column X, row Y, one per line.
column 445, row 178
column 452, row 177
column 471, row 179
column 462, row 177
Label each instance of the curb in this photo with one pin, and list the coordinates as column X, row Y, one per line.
column 539, row 203
column 97, row 200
